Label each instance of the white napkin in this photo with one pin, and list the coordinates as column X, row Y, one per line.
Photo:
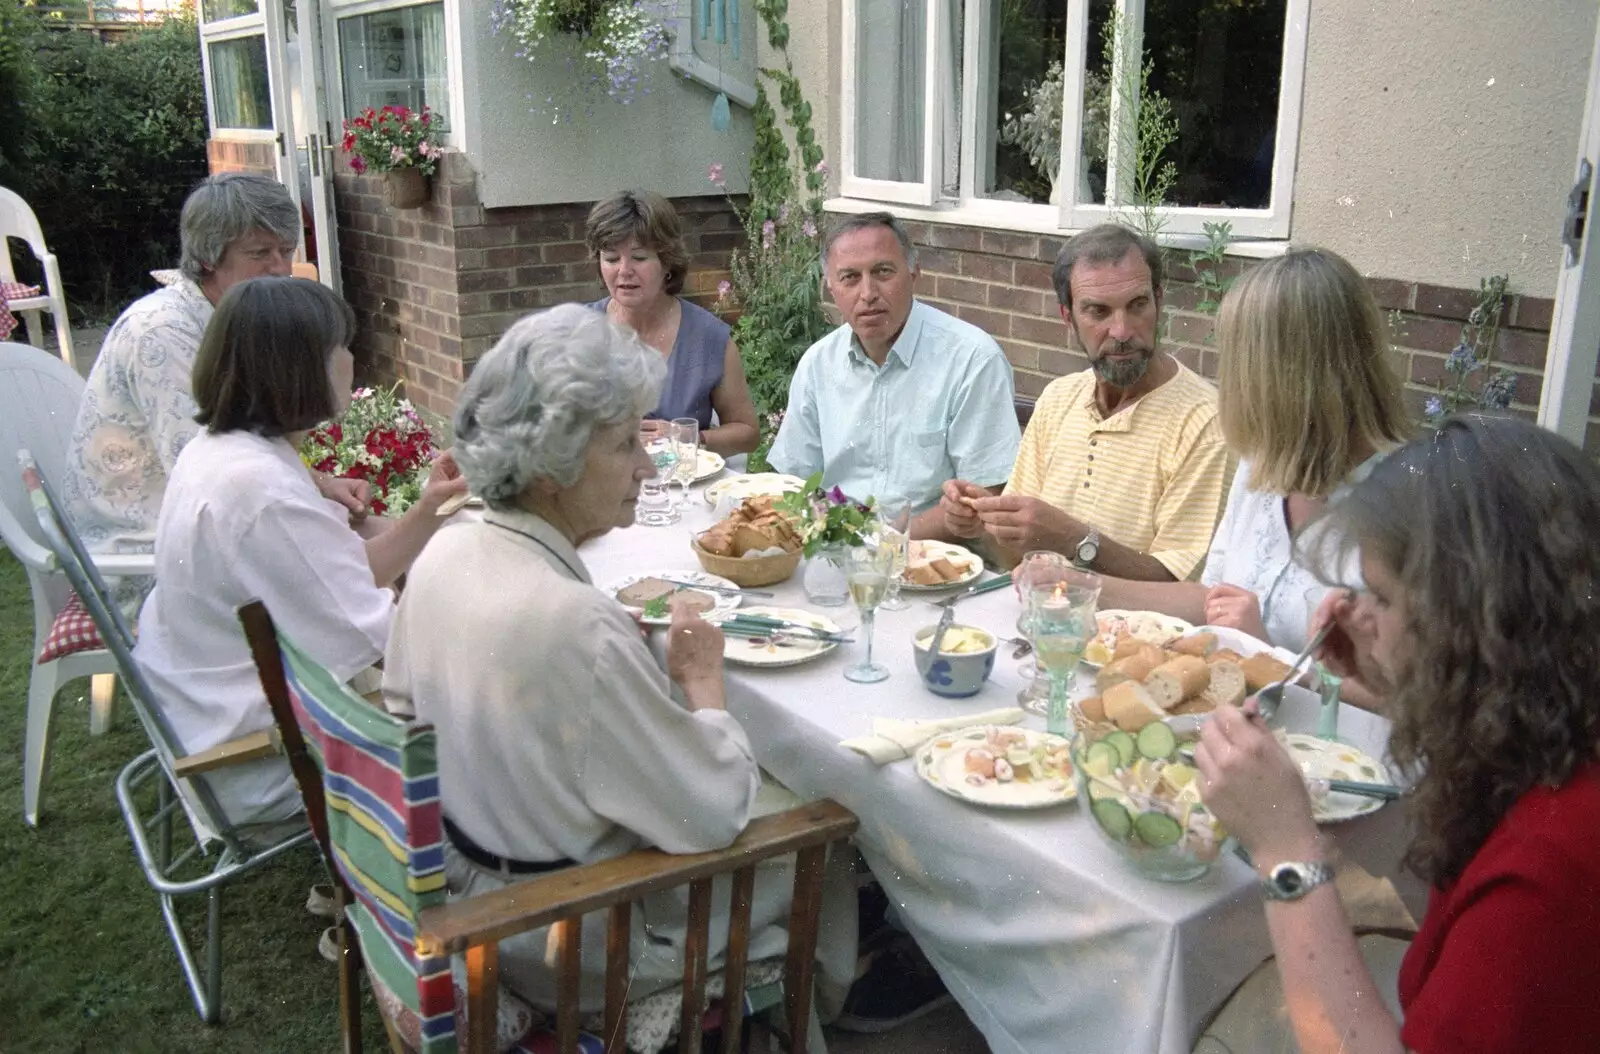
column 893, row 739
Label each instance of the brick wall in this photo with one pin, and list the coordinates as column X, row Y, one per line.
column 226, row 155
column 1001, row 281
column 435, row 287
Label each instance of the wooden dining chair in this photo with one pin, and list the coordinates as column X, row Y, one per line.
column 370, row 785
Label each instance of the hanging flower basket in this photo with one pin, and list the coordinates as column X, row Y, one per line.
column 407, row 188
column 614, row 41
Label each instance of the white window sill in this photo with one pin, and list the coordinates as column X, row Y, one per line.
column 1031, row 219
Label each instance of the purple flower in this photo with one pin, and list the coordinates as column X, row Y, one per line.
column 724, row 287
column 822, row 167
column 809, row 228
column 1498, row 390
column 1434, row 407
column 769, row 234
column 1462, row 360
column 837, row 496
column 714, row 173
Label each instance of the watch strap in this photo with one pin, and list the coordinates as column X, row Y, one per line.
column 1293, row 879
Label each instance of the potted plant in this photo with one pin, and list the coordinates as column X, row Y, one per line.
column 399, row 143
column 1037, row 130
column 616, row 40
column 381, row 439
column 830, row 524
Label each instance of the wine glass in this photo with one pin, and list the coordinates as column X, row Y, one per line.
column 1062, row 616
column 655, row 508
column 1043, row 566
column 685, row 433
column 868, row 568
column 1328, row 684
column 894, row 526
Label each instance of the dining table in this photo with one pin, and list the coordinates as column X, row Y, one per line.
column 1045, row 935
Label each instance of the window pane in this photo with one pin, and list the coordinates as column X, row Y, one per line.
column 1020, row 140
column 890, row 59
column 396, row 58
column 217, row 10
column 1218, row 64
column 239, row 83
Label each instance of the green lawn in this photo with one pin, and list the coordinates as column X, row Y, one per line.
column 84, row 956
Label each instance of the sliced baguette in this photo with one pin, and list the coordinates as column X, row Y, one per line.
column 1228, row 687
column 1183, row 678
column 1201, row 644
column 1133, row 668
column 1262, row 669
column 1094, row 709
column 1130, row 706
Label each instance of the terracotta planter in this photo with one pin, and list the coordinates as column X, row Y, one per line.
column 407, row 188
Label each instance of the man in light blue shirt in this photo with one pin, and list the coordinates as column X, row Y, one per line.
column 902, row 396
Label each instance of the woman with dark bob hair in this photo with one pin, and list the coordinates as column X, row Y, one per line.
column 242, row 519
column 1478, row 623
column 635, row 240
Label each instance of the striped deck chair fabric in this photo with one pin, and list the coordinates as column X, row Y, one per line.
column 380, row 778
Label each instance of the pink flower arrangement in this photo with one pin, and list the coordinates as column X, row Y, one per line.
column 391, row 138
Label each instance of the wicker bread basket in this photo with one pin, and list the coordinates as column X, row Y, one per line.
column 748, row 571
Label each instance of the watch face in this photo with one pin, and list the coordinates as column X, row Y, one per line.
column 1287, row 879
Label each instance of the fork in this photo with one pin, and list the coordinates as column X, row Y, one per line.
column 1271, row 697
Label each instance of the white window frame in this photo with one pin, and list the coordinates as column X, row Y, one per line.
column 970, row 208
column 682, row 58
column 251, row 25
column 925, row 191
column 335, row 11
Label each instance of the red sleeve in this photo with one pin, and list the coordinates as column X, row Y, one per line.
column 1517, row 968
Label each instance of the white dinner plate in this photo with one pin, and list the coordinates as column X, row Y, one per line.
column 942, row 762
column 760, row 651
column 707, row 464
column 724, row 602
column 753, row 484
column 1329, row 759
column 970, row 563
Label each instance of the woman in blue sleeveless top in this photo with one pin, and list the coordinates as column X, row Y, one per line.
column 634, row 238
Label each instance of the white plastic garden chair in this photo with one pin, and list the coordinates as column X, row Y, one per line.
column 39, row 397
column 18, row 221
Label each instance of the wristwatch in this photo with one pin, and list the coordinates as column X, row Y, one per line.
column 1088, row 549
column 1293, row 879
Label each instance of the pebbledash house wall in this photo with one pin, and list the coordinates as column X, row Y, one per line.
column 435, row 287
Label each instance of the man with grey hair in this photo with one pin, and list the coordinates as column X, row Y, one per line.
column 1123, row 467
column 138, row 408
column 902, row 397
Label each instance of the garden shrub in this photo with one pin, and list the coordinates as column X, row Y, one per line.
column 112, row 138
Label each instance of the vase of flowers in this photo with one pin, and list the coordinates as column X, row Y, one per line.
column 399, row 143
column 381, row 439
column 830, row 523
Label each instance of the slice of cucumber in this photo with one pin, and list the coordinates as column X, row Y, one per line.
column 1103, row 753
column 1157, row 829
column 1113, row 818
column 1124, row 746
column 1157, row 741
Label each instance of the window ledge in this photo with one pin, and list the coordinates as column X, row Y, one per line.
column 1032, row 219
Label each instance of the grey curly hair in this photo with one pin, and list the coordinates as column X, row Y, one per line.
column 226, row 207
column 535, row 400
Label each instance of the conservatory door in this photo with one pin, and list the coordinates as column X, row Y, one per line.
column 313, row 135
column 247, row 97
column 1564, row 405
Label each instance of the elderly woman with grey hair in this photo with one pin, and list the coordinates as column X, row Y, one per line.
column 561, row 739
column 138, row 409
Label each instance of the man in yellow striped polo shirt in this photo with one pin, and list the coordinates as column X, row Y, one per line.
column 1122, row 467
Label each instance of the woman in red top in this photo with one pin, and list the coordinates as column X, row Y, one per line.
column 1480, row 546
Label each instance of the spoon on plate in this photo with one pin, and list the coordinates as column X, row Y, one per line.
column 1271, row 697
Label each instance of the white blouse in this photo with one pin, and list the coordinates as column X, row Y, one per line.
column 242, row 520
column 1253, row 549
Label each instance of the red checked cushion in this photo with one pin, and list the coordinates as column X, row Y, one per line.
column 74, row 631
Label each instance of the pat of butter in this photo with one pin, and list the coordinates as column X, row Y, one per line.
column 960, row 641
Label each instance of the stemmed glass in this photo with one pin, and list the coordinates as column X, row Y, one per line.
column 685, row 433
column 1063, row 621
column 894, row 526
column 1042, row 567
column 655, row 508
column 868, row 569
column 1328, row 684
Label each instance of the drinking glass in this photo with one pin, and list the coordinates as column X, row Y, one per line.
column 655, row 508
column 1062, row 615
column 1327, row 684
column 894, row 526
column 868, row 568
column 685, row 433
column 1042, row 566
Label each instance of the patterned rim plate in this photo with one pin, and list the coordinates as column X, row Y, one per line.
column 956, row 555
column 1165, row 626
column 750, row 485
column 1329, row 759
column 758, row 651
column 707, row 464
column 724, row 602
column 941, row 762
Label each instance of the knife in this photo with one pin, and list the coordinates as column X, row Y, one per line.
column 719, row 589
column 997, row 582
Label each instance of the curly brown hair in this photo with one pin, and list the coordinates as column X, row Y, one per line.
column 648, row 217
column 1492, row 528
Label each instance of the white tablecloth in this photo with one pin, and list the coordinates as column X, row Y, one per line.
column 1048, row 939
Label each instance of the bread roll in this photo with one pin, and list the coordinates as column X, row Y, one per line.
column 1127, row 646
column 1227, row 684
column 1130, row 706
column 1183, row 678
column 1261, row 669
column 1134, row 668
column 946, row 571
column 1094, row 709
column 1152, row 654
column 1200, row 704
column 1222, row 654
column 922, row 575
column 1201, row 644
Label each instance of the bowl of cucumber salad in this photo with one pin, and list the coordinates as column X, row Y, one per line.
column 1142, row 793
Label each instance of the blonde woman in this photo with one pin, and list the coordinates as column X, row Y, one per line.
column 1308, row 402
